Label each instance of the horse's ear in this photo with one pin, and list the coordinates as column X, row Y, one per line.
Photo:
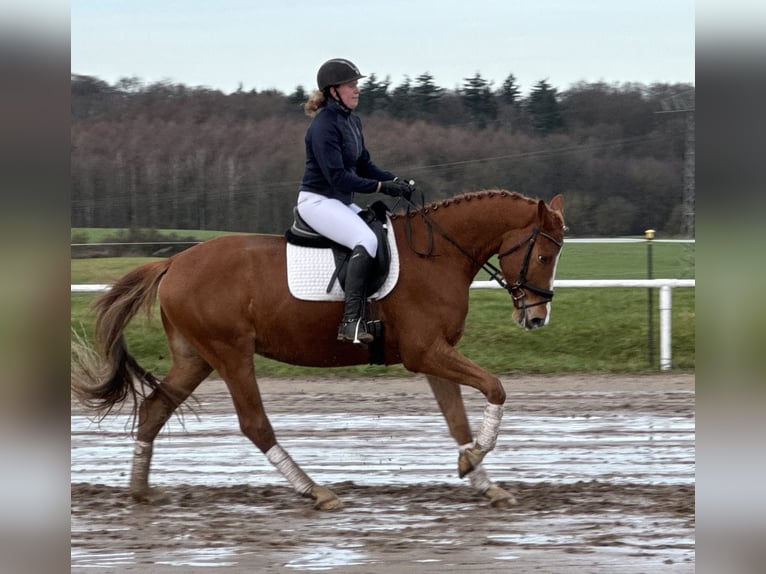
column 557, row 203
column 541, row 210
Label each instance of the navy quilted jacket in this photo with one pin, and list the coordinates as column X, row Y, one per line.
column 337, row 162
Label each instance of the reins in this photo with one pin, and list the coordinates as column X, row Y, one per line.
column 516, row 290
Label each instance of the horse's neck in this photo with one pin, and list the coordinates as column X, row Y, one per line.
column 479, row 224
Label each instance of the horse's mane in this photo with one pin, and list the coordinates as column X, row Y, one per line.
column 463, row 197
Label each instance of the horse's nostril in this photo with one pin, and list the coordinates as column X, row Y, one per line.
column 536, row 322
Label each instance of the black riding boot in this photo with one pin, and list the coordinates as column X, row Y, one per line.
column 353, row 326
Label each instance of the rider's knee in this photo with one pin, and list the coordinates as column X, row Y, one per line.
column 370, row 244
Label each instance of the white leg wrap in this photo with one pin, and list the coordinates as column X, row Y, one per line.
column 479, row 479
column 478, row 476
column 291, row 471
column 490, row 427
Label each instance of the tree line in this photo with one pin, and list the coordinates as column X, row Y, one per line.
column 169, row 156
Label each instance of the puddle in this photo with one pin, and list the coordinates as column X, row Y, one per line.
column 395, row 450
column 324, row 558
column 215, row 557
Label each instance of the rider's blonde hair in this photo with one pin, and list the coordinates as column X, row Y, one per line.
column 316, row 102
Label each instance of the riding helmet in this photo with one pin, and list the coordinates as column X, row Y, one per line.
column 337, row 71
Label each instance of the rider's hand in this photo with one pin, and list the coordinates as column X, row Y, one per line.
column 396, row 188
column 411, row 187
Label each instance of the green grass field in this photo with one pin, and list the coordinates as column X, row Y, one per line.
column 591, row 330
column 98, row 234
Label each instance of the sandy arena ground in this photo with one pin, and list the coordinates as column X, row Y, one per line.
column 603, row 468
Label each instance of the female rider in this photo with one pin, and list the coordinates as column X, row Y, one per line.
column 337, row 166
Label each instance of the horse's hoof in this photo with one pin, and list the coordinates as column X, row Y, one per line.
column 468, row 460
column 150, row 496
column 500, row 498
column 325, row 499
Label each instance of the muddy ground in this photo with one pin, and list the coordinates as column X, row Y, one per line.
column 603, row 468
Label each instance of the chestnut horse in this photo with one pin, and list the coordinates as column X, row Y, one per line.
column 226, row 299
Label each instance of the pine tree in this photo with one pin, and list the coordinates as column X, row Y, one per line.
column 298, row 97
column 477, row 97
column 401, row 100
column 543, row 108
column 426, row 94
column 509, row 92
column 373, row 95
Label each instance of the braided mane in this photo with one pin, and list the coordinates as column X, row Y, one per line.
column 463, row 197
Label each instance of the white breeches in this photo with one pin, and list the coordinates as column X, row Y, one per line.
column 337, row 221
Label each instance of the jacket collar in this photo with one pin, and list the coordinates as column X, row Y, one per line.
column 335, row 105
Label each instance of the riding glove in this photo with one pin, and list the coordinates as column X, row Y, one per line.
column 396, row 187
column 410, row 187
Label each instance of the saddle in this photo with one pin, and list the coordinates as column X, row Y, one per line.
column 375, row 216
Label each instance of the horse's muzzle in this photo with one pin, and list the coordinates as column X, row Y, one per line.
column 535, row 323
column 527, row 320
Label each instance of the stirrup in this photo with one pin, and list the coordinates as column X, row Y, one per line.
column 359, row 336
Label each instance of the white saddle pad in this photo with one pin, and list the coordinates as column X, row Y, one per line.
column 309, row 271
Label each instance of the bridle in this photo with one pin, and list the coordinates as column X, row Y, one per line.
column 517, row 290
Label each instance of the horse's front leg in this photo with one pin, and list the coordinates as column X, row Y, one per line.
column 450, row 400
column 442, row 360
column 470, row 458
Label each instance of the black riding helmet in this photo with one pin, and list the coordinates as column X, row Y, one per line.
column 337, row 71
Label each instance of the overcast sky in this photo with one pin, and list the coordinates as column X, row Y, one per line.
column 262, row 44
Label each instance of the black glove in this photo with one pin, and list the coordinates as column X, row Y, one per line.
column 411, row 185
column 396, row 187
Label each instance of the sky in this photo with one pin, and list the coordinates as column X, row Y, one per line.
column 280, row 44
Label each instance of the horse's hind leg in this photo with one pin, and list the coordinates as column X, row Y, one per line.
column 186, row 373
column 450, row 400
column 237, row 370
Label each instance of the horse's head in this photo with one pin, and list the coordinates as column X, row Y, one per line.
column 529, row 264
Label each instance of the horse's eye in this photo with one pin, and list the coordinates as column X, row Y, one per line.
column 543, row 259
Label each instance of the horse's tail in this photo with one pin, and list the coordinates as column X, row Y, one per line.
column 107, row 376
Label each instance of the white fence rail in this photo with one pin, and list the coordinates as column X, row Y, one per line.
column 665, row 301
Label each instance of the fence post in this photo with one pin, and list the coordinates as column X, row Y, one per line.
column 649, row 299
column 666, row 333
